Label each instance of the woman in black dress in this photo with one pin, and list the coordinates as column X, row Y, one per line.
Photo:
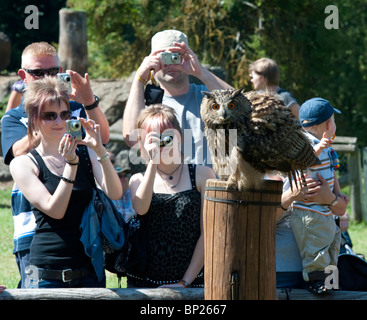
column 168, row 197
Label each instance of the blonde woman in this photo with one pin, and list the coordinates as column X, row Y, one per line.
column 168, row 197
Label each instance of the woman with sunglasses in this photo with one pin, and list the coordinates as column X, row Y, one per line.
column 168, row 199
column 54, row 178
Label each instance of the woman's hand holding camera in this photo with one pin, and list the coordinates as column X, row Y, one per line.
column 93, row 137
column 151, row 147
column 67, row 149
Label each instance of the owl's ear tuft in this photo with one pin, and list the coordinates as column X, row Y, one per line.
column 207, row 93
column 236, row 92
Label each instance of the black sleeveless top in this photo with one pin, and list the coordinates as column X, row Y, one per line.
column 56, row 243
column 172, row 229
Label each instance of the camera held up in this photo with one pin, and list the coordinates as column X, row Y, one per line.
column 65, row 78
column 74, row 128
column 171, row 57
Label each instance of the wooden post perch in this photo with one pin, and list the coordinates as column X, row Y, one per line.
column 239, row 231
column 73, row 52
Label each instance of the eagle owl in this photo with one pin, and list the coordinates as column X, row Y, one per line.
column 252, row 133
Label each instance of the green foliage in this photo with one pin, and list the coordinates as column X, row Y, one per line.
column 119, row 31
column 314, row 60
column 12, row 17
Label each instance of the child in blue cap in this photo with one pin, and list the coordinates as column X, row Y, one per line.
column 313, row 224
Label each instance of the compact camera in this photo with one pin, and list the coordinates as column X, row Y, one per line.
column 65, row 78
column 165, row 140
column 171, row 57
column 74, row 128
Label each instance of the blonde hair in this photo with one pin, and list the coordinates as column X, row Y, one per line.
column 268, row 68
column 39, row 49
column 158, row 113
column 38, row 94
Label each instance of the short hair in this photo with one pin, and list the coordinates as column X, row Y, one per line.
column 158, row 113
column 268, row 68
column 38, row 94
column 39, row 49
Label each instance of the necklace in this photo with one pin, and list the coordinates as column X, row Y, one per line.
column 178, row 180
column 169, row 175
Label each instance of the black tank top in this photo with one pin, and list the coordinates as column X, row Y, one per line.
column 172, row 226
column 56, row 243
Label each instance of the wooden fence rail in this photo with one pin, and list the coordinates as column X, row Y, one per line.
column 348, row 146
column 158, row 294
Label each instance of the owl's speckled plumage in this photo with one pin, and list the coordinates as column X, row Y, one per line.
column 265, row 137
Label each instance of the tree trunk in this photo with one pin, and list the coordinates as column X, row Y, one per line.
column 73, row 52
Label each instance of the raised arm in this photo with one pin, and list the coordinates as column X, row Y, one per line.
column 103, row 170
column 192, row 66
column 83, row 93
column 136, row 102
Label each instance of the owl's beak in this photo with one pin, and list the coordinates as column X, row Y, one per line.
column 224, row 113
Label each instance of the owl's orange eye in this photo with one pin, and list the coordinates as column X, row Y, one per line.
column 215, row 106
column 231, row 106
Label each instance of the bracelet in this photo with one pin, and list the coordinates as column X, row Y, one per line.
column 71, row 163
column 68, row 180
column 283, row 208
column 140, row 79
column 184, row 283
column 104, row 158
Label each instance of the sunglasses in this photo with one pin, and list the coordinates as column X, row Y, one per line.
column 52, row 116
column 42, row 72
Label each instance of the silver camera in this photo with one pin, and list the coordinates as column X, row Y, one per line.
column 74, row 128
column 171, row 57
column 65, row 78
column 166, row 139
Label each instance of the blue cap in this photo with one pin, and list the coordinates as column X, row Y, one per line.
column 315, row 111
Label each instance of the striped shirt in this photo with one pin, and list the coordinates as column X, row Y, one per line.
column 326, row 169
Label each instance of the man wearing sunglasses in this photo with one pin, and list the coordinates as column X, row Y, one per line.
column 38, row 60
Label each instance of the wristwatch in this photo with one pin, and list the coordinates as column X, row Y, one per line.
column 94, row 105
column 334, row 202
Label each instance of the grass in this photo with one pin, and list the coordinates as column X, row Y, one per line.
column 9, row 274
column 358, row 234
column 8, row 268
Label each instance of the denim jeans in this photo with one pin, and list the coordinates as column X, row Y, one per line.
column 22, row 259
